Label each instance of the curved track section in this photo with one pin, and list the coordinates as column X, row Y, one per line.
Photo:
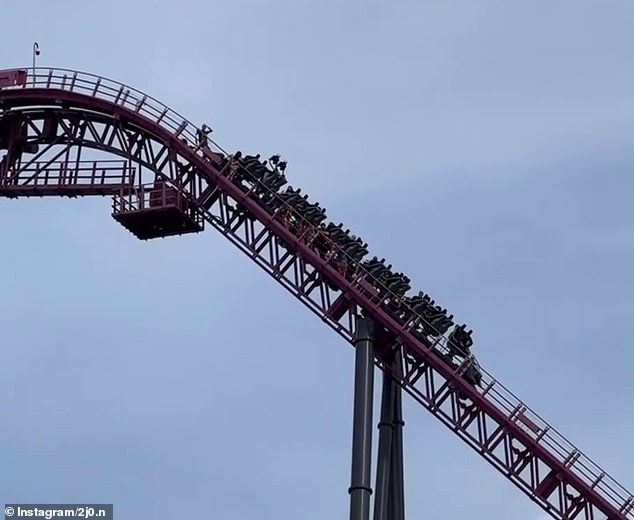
column 168, row 180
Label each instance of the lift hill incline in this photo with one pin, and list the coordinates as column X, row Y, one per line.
column 172, row 179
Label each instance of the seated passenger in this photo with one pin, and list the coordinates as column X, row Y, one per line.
column 460, row 341
column 473, row 374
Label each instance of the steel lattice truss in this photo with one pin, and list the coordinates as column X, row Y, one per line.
column 60, row 116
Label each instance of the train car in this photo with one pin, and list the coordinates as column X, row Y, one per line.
column 344, row 252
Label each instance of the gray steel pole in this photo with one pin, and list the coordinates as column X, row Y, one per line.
column 360, row 489
column 397, row 498
column 384, row 462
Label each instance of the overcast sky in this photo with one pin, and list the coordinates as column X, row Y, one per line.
column 483, row 147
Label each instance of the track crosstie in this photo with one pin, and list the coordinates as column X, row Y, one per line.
column 73, row 110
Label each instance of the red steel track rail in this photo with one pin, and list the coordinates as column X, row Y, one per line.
column 105, row 115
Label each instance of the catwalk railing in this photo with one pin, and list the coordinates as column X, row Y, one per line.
column 493, row 420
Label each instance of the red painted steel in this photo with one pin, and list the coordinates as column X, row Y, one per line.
column 13, row 78
column 490, row 419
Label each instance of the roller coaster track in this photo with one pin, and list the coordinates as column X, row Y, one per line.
column 76, row 111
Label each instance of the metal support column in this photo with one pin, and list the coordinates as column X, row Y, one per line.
column 384, row 458
column 389, row 502
column 397, row 494
column 360, row 489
